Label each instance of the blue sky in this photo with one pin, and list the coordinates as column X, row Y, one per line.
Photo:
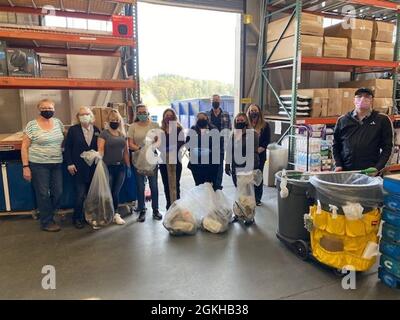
column 199, row 44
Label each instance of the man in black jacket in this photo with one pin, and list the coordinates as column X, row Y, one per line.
column 363, row 138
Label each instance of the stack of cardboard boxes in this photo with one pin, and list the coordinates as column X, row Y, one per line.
column 331, row 102
column 312, row 32
column 3, row 59
column 359, row 39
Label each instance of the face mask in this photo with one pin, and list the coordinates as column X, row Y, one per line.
column 202, row 123
column 85, row 118
column 114, row 125
column 240, row 125
column 143, row 117
column 47, row 114
column 215, row 104
column 254, row 115
column 363, row 104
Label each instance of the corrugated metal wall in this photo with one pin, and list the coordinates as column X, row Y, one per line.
column 224, row 5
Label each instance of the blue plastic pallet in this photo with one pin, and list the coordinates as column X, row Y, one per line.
column 390, row 265
column 391, row 217
column 392, row 184
column 388, row 279
column 390, row 249
column 391, row 233
column 392, row 202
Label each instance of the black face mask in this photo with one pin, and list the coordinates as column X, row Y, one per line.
column 254, row 115
column 202, row 123
column 240, row 125
column 215, row 104
column 114, row 125
column 47, row 114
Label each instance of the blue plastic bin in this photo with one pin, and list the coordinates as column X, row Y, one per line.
column 390, row 265
column 388, row 278
column 391, row 217
column 392, row 202
column 391, row 233
column 390, row 249
column 392, row 185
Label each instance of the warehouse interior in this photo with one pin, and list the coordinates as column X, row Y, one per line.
column 77, row 67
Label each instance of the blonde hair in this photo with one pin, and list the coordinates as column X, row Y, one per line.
column 115, row 116
column 86, row 109
column 44, row 101
column 260, row 121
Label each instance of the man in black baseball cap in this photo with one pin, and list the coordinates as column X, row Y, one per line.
column 363, row 138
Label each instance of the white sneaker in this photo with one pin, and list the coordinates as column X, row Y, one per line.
column 118, row 219
column 95, row 226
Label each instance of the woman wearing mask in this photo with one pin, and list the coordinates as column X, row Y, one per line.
column 113, row 147
column 171, row 142
column 80, row 138
column 42, row 162
column 138, row 131
column 200, row 145
column 258, row 123
column 243, row 140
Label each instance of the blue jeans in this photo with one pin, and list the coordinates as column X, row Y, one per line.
column 117, row 178
column 140, row 187
column 47, row 181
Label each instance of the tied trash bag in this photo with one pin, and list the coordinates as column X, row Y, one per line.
column 91, row 157
column 98, row 206
column 218, row 220
column 146, row 159
column 345, row 188
column 245, row 200
column 184, row 216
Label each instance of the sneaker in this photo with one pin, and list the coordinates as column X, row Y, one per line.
column 51, row 227
column 142, row 216
column 249, row 222
column 118, row 220
column 234, row 219
column 95, row 226
column 157, row 215
column 258, row 203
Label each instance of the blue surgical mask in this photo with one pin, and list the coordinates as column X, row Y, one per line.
column 143, row 117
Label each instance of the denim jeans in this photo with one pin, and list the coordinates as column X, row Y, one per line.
column 47, row 181
column 81, row 190
column 140, row 187
column 117, row 178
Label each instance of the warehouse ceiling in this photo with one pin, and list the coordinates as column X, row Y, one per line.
column 107, row 7
column 220, row 5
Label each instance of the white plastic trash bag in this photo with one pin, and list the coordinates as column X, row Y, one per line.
column 218, row 220
column 245, row 200
column 90, row 157
column 98, row 206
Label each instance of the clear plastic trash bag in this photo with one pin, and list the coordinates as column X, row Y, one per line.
column 245, row 200
column 184, row 215
column 145, row 160
column 98, row 206
column 342, row 189
column 217, row 221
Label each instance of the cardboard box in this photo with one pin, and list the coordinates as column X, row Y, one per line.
column 352, row 29
column 310, row 25
column 347, row 100
column 382, row 88
column 383, row 31
column 97, row 111
column 311, row 46
column 335, row 47
column 383, row 105
column 382, row 51
column 3, row 59
column 22, row 62
column 359, row 49
column 340, row 101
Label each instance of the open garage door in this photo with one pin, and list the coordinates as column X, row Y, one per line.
column 221, row 5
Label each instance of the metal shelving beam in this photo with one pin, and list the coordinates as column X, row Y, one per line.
column 64, row 84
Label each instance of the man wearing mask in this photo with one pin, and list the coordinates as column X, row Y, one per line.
column 363, row 138
column 220, row 120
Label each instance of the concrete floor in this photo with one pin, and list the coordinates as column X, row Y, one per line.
column 142, row 261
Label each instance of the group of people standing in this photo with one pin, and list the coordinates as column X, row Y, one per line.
column 44, row 139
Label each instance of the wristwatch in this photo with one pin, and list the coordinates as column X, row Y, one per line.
column 25, row 166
